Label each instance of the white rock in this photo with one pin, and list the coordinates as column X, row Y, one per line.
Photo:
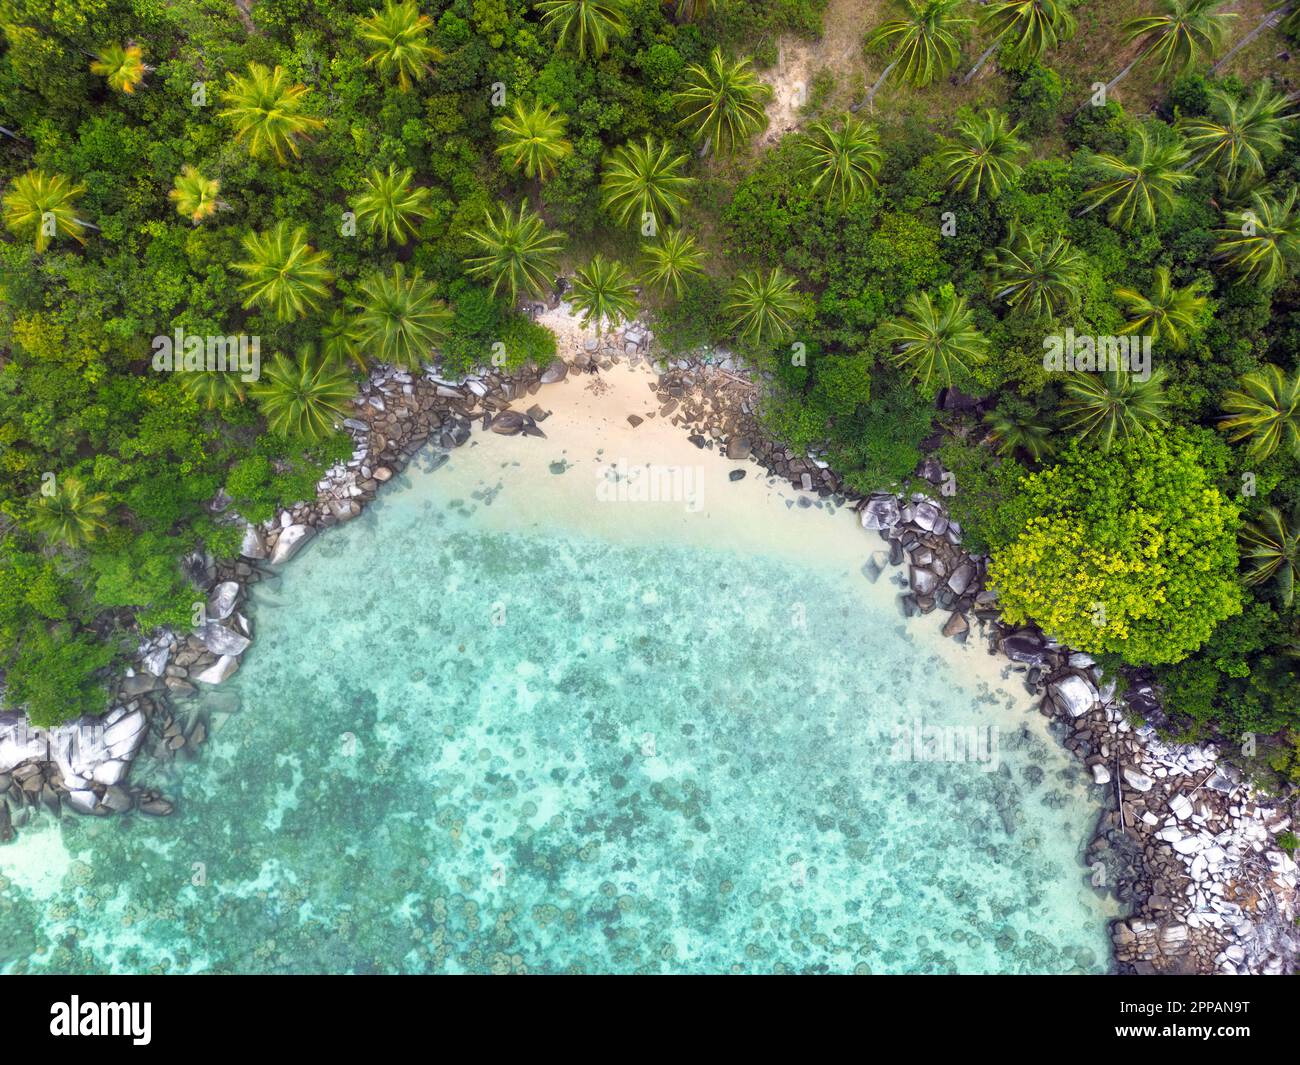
column 1074, row 695
column 222, row 601
column 1135, row 780
column 290, row 543
column 1100, row 774
column 1181, row 805
column 222, row 669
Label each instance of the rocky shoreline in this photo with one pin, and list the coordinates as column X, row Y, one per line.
column 1182, row 840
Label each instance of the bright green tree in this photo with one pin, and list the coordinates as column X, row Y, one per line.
column 286, row 275
column 603, row 293
column 304, row 397
column 196, row 197
column 1262, row 242
column 532, row 140
column 1237, row 137
column 1264, row 410
column 643, row 183
column 1037, row 277
column 763, row 305
column 71, row 515
column 924, row 43
column 1142, row 184
column 41, row 206
column 266, row 109
column 935, row 340
column 518, row 252
column 398, row 37
column 391, row 205
column 671, row 261
column 122, row 65
column 1114, row 406
column 982, row 158
column 585, row 25
column 399, row 319
column 1131, row 552
column 844, row 162
column 723, row 103
column 1271, row 552
column 1167, row 314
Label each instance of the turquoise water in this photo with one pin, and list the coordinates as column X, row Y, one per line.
column 463, row 743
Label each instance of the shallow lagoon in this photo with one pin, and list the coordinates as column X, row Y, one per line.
column 495, row 724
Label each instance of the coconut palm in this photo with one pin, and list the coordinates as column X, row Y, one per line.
column 196, row 197
column 1271, row 551
column 399, row 40
column 1263, row 241
column 1027, row 28
column 1178, row 34
column 1264, row 410
column 670, row 261
column 1036, row 277
column 923, row 43
column 518, row 252
column 532, row 139
column 845, row 161
column 1140, row 185
column 39, row 206
column 1169, row 313
column 1114, row 404
column 340, row 338
column 763, row 306
column 935, row 340
column 1237, row 136
column 267, row 112
column 603, row 292
column 286, row 275
column 586, row 25
column 391, row 206
column 692, row 10
column 71, row 516
column 399, row 319
column 982, row 157
column 213, row 389
column 723, row 102
column 1019, row 429
column 643, row 182
column 304, row 397
column 123, row 66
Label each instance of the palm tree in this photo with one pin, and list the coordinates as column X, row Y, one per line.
column 763, row 306
column 692, row 10
column 723, row 102
column 1028, row 27
column 518, row 252
column 1114, row 404
column 603, row 291
column 982, row 158
column 286, row 275
column 1141, row 184
column 1271, row 551
column 267, row 112
column 124, row 67
column 1038, row 278
column 399, row 319
column 935, row 339
column 1238, row 136
column 390, row 206
column 399, row 39
column 39, row 206
column 1019, row 429
column 846, row 161
column 340, row 338
column 670, row 261
column 304, row 397
column 532, row 140
column 923, row 44
column 1263, row 241
column 586, row 24
column 196, row 197
column 1178, row 33
column 644, row 182
column 71, row 516
column 213, row 389
column 1167, row 314
column 1264, row 409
